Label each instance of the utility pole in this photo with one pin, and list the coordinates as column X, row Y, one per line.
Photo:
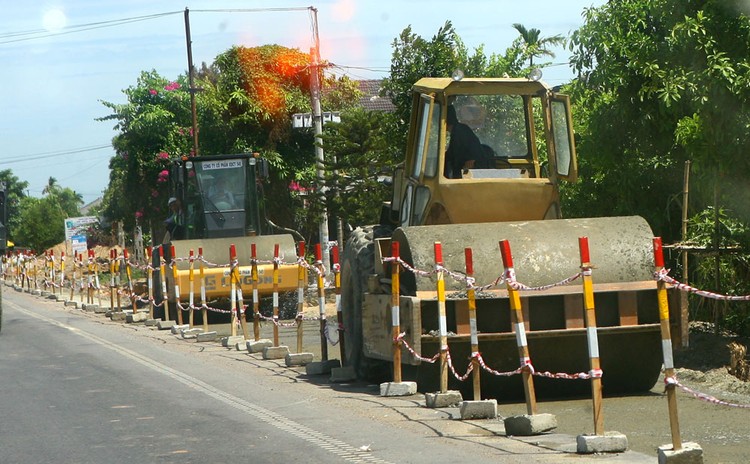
column 318, row 131
column 192, row 89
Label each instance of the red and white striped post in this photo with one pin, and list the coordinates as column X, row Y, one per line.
column 233, row 288
column 321, row 302
column 339, row 311
column 666, row 346
column 442, row 319
column 276, row 295
column 191, row 288
column 516, row 313
column 300, row 293
column 254, row 283
column 471, row 296
column 591, row 335
column 150, row 277
column 163, row 274
column 202, row 277
column 396, row 311
column 176, row 279
column 129, row 274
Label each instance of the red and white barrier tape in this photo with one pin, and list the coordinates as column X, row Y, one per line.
column 703, row 396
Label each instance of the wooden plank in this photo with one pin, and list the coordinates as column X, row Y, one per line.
column 462, row 317
column 627, row 304
column 573, row 311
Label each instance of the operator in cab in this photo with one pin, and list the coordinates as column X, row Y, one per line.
column 464, row 148
column 175, row 222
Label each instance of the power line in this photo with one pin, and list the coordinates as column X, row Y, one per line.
column 52, row 154
column 34, row 34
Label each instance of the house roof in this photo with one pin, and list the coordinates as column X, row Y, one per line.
column 371, row 99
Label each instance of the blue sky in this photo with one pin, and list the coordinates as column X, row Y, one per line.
column 54, row 79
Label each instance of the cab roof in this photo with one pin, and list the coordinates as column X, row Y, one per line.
column 480, row 86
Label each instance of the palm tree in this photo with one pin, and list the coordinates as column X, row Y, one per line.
column 535, row 45
column 52, row 187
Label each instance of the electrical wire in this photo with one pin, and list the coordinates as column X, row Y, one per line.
column 52, row 154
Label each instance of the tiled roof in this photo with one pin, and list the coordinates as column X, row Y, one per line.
column 371, row 99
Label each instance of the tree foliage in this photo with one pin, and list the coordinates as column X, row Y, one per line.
column 15, row 192
column 661, row 82
column 41, row 220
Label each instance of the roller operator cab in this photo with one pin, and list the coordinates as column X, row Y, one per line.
column 221, row 203
column 523, row 147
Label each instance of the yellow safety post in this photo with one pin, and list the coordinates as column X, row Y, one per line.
column 52, row 271
column 471, row 296
column 233, row 288
column 237, row 290
column 90, row 280
column 96, row 281
column 191, row 287
column 339, row 311
column 201, row 274
column 666, row 346
column 442, row 319
column 178, row 308
column 396, row 311
column 591, row 335
column 516, row 312
column 163, row 275
column 84, row 276
column 276, row 295
column 118, row 258
column 300, row 293
column 111, row 279
column 62, row 271
column 254, row 283
column 150, row 277
column 321, row 302
column 129, row 275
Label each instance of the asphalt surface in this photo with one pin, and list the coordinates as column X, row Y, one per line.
column 79, row 388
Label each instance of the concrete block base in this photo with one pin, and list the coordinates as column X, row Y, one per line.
column 190, row 333
column 178, row 328
column 322, row 367
column 610, row 442
column 298, row 359
column 483, row 409
column 117, row 316
column 690, row 453
column 71, row 303
column 343, row 374
column 275, row 352
column 99, row 310
column 206, row 337
column 257, row 346
column 43, row 294
column 232, row 340
column 443, row 400
column 151, row 322
column 398, row 388
column 165, row 325
column 53, row 296
column 527, row 425
column 90, row 307
column 136, row 317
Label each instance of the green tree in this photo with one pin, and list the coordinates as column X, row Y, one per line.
column 534, row 45
column 15, row 192
column 41, row 222
column 660, row 82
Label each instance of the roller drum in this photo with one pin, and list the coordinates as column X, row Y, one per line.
column 543, row 252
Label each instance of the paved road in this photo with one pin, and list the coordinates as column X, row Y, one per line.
column 78, row 388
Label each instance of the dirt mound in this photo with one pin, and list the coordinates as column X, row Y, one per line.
column 101, row 253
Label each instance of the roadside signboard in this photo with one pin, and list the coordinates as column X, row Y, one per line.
column 78, row 225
